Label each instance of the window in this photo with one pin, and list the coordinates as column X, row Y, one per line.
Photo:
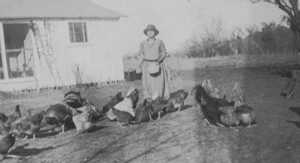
column 19, row 52
column 78, row 33
column 1, row 68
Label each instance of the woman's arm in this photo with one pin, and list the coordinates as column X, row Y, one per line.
column 140, row 54
column 163, row 52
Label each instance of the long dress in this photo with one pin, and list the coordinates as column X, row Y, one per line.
column 157, row 86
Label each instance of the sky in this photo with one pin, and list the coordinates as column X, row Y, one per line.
column 180, row 20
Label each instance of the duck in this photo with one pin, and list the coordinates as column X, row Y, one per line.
column 59, row 115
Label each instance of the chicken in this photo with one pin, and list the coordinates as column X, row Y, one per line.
column 237, row 95
column 289, row 88
column 143, row 111
column 73, row 99
column 229, row 118
column 7, row 140
column 207, row 85
column 236, row 116
column 3, row 118
column 112, row 102
column 124, row 110
column 123, row 117
column 246, row 115
column 29, row 125
column 176, row 100
column 159, row 106
column 83, row 118
column 59, row 115
column 210, row 106
column 14, row 116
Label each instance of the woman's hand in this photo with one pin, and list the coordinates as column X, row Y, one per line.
column 161, row 59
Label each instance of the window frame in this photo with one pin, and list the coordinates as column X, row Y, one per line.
column 3, row 54
column 73, row 34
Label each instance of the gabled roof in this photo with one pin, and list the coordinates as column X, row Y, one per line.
column 54, row 9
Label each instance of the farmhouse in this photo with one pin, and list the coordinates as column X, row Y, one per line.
column 46, row 43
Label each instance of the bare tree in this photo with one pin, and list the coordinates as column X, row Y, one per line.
column 292, row 9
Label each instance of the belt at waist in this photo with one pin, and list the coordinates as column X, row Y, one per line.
column 150, row 60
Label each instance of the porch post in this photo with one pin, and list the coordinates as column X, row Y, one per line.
column 36, row 60
column 3, row 52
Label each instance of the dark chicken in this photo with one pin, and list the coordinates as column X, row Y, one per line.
column 73, row 99
column 289, row 88
column 210, row 106
column 29, row 125
column 3, row 118
column 143, row 111
column 159, row 106
column 7, row 140
column 176, row 100
column 112, row 102
column 14, row 116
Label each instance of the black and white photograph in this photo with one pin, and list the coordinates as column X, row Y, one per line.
column 150, row 81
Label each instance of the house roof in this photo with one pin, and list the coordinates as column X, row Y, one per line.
column 54, row 9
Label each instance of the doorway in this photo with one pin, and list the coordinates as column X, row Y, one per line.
column 19, row 51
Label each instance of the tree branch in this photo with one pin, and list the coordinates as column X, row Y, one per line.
column 283, row 6
column 295, row 7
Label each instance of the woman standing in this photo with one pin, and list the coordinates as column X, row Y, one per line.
column 152, row 54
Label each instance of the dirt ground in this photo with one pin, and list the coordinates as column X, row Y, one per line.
column 180, row 136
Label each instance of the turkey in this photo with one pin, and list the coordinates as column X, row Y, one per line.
column 59, row 115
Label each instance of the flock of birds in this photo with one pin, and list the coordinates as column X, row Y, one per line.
column 125, row 110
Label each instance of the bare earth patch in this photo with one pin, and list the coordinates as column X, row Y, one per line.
column 180, row 136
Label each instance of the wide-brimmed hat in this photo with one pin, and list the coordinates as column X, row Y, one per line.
column 152, row 28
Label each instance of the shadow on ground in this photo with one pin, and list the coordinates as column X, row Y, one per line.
column 23, row 151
